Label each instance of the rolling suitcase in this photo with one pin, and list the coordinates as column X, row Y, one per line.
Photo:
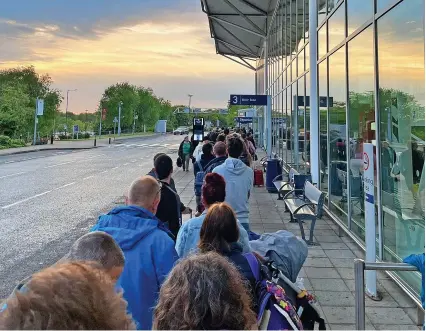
column 258, row 178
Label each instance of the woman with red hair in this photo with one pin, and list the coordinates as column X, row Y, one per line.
column 213, row 191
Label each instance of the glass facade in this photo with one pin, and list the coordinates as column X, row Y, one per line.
column 370, row 62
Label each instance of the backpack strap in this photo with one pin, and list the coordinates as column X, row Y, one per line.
column 177, row 203
column 254, row 265
column 199, row 166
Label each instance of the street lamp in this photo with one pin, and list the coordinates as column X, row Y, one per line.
column 66, row 110
column 86, row 122
column 189, row 104
column 120, row 104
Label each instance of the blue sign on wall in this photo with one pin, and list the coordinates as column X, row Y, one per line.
column 248, row 100
column 244, row 120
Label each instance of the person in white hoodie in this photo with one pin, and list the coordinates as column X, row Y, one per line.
column 198, row 151
column 238, row 178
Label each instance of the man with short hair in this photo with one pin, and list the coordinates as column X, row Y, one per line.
column 238, row 178
column 170, row 208
column 147, row 245
column 154, row 174
column 219, row 150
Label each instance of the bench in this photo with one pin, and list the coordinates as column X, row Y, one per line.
column 308, row 207
column 282, row 186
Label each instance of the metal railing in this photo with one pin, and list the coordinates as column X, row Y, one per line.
column 360, row 267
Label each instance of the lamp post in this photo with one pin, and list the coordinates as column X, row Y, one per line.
column 85, row 129
column 189, row 104
column 120, row 104
column 66, row 111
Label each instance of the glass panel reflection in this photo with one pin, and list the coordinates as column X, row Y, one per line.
column 358, row 13
column 322, row 41
column 337, row 132
column 361, row 119
column 402, row 132
column 322, row 89
column 336, row 27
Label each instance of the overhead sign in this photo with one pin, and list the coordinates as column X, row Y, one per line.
column 40, row 107
column 244, row 120
column 248, row 100
column 76, row 128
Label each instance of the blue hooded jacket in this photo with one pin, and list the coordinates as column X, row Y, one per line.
column 150, row 255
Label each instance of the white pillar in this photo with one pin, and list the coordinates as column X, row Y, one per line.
column 314, row 110
column 267, row 113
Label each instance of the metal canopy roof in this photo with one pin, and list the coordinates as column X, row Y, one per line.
column 239, row 27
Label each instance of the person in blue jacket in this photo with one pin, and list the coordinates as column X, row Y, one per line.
column 147, row 245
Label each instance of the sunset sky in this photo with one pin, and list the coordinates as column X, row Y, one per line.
column 90, row 44
column 166, row 44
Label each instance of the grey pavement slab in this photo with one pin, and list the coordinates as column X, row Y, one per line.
column 386, row 315
column 335, row 299
column 326, row 273
column 334, row 285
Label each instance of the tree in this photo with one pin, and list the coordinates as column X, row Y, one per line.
column 25, row 84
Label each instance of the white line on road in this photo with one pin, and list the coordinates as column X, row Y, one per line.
column 142, row 145
column 114, row 168
column 63, row 186
column 9, row 162
column 15, row 174
column 154, row 145
column 126, row 164
column 25, row 200
column 133, row 161
column 104, row 171
column 59, row 164
column 86, row 178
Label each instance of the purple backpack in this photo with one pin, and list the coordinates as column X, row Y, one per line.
column 275, row 310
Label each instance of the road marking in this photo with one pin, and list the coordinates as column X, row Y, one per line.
column 57, row 165
column 133, row 161
column 154, row 145
column 15, row 174
column 114, row 168
column 126, row 164
column 86, row 178
column 104, row 171
column 142, row 145
column 9, row 162
column 25, row 200
column 63, row 186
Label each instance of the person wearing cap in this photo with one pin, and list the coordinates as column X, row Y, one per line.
column 147, row 245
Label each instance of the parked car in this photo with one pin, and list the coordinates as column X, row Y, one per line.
column 181, row 130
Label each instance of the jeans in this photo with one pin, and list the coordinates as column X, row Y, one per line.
column 246, row 226
column 186, row 158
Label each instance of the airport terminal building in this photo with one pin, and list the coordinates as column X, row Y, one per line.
column 342, row 74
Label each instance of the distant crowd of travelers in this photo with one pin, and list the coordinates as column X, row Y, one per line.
column 140, row 267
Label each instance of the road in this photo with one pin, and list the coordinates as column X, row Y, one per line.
column 48, row 199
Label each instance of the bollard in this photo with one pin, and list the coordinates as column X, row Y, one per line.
column 109, row 141
column 94, row 143
column 51, row 139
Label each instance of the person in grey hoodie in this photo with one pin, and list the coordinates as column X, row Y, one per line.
column 238, row 178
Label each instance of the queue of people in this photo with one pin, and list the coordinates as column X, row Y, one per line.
column 140, row 267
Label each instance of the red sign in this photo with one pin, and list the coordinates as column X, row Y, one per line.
column 104, row 112
column 366, row 161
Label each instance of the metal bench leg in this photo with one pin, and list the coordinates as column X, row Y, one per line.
column 311, row 241
column 302, row 231
column 293, row 220
column 280, row 197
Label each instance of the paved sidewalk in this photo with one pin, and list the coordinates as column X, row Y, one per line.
column 69, row 144
column 329, row 269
